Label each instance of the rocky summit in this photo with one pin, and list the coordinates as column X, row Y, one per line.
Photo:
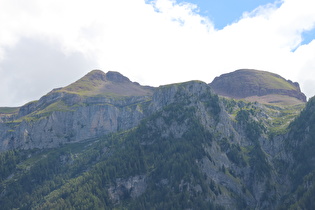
column 97, row 83
column 261, row 86
column 105, row 142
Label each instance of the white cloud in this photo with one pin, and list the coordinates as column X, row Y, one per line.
column 152, row 43
column 32, row 68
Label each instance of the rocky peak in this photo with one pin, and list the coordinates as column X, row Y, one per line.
column 249, row 83
column 95, row 75
column 98, row 83
column 116, row 77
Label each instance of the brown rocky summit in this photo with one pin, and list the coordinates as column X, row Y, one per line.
column 261, row 86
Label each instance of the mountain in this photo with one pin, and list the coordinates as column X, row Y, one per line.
column 112, row 83
column 177, row 146
column 261, row 86
column 94, row 105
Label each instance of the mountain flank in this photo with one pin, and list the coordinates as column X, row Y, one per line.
column 261, row 86
column 95, row 105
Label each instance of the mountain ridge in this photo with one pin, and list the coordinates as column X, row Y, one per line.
column 98, row 83
column 95, row 94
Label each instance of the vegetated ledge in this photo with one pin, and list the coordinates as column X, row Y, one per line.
column 9, row 110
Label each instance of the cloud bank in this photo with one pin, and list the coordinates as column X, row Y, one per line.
column 51, row 43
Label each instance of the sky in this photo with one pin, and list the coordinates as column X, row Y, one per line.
column 46, row 44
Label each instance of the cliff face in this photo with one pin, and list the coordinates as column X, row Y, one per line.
column 77, row 124
column 247, row 83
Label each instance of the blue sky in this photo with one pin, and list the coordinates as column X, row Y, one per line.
column 308, row 36
column 224, row 12
column 52, row 43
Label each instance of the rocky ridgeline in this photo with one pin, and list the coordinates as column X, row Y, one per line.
column 100, row 103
